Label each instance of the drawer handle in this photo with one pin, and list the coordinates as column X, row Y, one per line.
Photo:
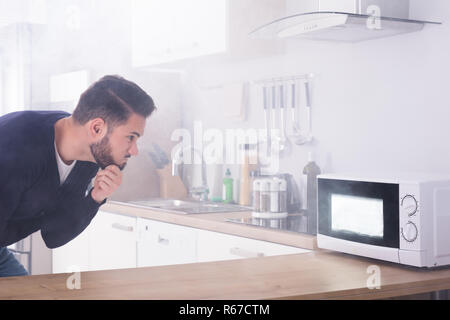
column 245, row 253
column 122, row 227
column 163, row 241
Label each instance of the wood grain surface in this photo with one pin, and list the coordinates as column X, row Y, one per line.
column 314, row 275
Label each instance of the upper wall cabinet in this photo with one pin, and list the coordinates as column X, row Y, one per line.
column 22, row 11
column 165, row 31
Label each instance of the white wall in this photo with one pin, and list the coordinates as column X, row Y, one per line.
column 379, row 105
column 98, row 40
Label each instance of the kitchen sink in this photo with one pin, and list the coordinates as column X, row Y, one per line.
column 188, row 206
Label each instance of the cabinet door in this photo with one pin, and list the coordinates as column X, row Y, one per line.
column 163, row 243
column 112, row 241
column 73, row 256
column 170, row 30
column 213, row 246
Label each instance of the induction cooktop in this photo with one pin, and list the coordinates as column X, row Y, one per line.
column 294, row 222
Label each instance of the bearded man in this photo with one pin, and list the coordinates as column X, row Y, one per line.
column 48, row 161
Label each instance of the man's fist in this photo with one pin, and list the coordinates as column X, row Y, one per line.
column 106, row 182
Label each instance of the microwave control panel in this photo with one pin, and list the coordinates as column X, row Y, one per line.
column 409, row 217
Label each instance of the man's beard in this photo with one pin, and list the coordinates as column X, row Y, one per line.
column 101, row 151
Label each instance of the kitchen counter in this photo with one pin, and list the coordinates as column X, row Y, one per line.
column 318, row 274
column 216, row 222
column 314, row 275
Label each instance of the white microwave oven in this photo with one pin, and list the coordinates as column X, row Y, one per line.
column 403, row 219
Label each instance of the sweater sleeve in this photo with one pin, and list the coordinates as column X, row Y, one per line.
column 70, row 216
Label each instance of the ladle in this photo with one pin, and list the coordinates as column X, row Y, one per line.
column 301, row 138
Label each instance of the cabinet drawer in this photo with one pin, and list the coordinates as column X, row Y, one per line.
column 113, row 241
column 213, row 246
column 73, row 256
column 163, row 243
column 109, row 242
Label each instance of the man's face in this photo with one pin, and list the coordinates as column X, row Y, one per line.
column 119, row 145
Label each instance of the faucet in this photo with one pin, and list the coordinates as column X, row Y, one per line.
column 199, row 192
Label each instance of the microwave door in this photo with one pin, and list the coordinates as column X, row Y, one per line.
column 360, row 212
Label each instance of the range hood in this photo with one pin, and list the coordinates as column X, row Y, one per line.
column 343, row 20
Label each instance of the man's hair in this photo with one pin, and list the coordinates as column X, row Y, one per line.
column 113, row 99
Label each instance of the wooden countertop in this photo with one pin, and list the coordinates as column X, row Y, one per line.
column 313, row 275
column 216, row 222
column 318, row 274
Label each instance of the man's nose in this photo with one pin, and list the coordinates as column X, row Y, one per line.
column 133, row 150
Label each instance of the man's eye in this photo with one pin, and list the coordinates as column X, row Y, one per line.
column 131, row 138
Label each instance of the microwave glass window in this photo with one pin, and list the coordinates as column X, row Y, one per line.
column 355, row 214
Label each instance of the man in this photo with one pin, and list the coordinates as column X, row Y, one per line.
column 48, row 160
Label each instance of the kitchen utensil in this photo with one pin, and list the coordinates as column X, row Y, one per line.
column 266, row 119
column 295, row 125
column 161, row 154
column 263, row 149
column 305, row 138
column 158, row 156
column 156, row 160
column 284, row 141
column 274, row 106
column 292, row 129
column 276, row 133
column 308, row 108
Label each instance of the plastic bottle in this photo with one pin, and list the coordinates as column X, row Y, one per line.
column 227, row 187
column 311, row 170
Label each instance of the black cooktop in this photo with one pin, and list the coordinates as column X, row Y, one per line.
column 294, row 222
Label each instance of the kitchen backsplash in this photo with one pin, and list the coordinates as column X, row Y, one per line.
column 378, row 105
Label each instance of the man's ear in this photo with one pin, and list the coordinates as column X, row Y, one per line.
column 97, row 129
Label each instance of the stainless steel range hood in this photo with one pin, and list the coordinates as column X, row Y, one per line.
column 344, row 20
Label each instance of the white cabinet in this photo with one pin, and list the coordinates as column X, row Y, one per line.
column 109, row 242
column 165, row 31
column 23, row 11
column 74, row 255
column 213, row 246
column 168, row 30
column 163, row 243
column 113, row 242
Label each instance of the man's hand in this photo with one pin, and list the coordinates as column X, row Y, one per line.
column 106, row 182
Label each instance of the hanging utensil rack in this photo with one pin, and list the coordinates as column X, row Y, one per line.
column 288, row 95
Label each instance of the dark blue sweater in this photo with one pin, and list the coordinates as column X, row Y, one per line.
column 31, row 197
